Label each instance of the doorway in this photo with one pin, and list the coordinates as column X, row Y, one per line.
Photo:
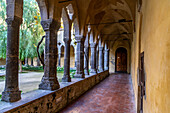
column 121, row 60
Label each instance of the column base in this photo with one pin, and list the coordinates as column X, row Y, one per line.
column 66, row 79
column 49, row 83
column 79, row 76
column 86, row 72
column 11, row 96
column 93, row 71
column 101, row 69
column 106, row 68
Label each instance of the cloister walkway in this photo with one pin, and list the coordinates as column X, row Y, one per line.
column 113, row 95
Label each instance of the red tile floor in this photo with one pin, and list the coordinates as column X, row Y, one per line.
column 113, row 95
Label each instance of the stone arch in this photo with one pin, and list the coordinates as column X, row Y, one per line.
column 117, row 44
column 123, row 67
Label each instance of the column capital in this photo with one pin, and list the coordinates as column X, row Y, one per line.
column 101, row 48
column 13, row 21
column 50, row 24
column 107, row 50
column 93, row 45
column 67, row 40
column 79, row 38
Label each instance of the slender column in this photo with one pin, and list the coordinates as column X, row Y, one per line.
column 75, row 56
column 32, row 62
column 101, row 59
column 106, row 60
column 38, row 62
column 59, row 58
column 86, row 60
column 26, row 61
column 66, row 77
column 11, row 92
column 93, row 58
column 97, row 58
column 49, row 80
column 80, row 57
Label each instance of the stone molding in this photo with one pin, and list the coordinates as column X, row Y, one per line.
column 67, row 40
column 101, row 48
column 93, row 45
column 50, row 24
column 14, row 21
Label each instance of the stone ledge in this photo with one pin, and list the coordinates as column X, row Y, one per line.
column 53, row 101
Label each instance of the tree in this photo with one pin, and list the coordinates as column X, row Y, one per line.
column 30, row 31
column 3, row 29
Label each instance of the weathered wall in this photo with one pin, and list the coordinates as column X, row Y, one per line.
column 56, row 100
column 155, row 42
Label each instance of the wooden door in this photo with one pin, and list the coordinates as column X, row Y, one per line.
column 121, row 60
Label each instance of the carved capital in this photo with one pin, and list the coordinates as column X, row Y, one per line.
column 101, row 48
column 50, row 24
column 13, row 21
column 66, row 40
column 79, row 38
column 93, row 45
column 107, row 50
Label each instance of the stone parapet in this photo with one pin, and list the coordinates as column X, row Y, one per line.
column 53, row 101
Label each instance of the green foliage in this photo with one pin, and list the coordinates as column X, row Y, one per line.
column 29, row 68
column 3, row 29
column 2, row 78
column 2, row 68
column 0, row 96
column 30, row 30
column 60, row 69
column 72, row 74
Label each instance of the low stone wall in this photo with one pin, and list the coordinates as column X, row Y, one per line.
column 53, row 101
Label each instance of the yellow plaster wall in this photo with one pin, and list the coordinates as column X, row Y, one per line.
column 155, row 42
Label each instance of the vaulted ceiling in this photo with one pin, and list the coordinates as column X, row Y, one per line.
column 110, row 19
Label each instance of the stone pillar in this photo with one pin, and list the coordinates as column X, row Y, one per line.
column 32, row 62
column 66, row 77
column 101, row 59
column 80, row 57
column 75, row 56
column 97, row 58
column 93, row 58
column 49, row 80
column 59, row 58
column 86, row 60
column 106, row 60
column 26, row 61
column 11, row 92
column 38, row 62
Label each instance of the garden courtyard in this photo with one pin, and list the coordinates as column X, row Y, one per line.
column 28, row 81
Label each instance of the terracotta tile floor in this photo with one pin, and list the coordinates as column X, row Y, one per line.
column 113, row 95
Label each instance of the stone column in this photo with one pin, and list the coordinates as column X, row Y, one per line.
column 49, row 80
column 106, row 60
column 93, row 58
column 11, row 92
column 80, row 57
column 101, row 59
column 66, row 77
column 86, row 60
column 97, row 58
column 38, row 62
column 32, row 62
column 59, row 58
column 75, row 56
column 26, row 61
